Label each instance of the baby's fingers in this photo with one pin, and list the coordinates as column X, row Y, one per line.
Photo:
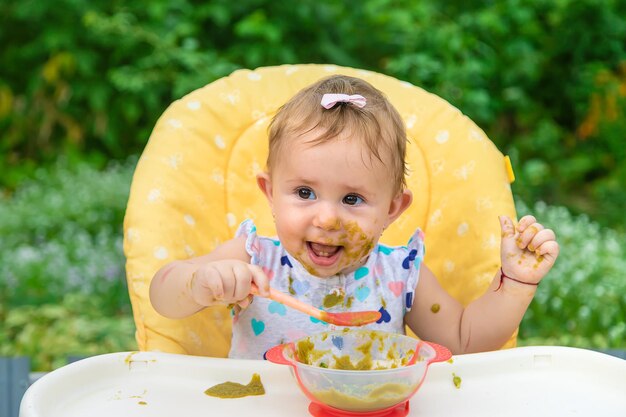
column 524, row 222
column 540, row 238
column 245, row 302
column 506, row 226
column 528, row 235
column 261, row 280
column 206, row 286
column 243, row 278
column 549, row 250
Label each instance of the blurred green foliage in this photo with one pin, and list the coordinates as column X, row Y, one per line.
column 77, row 325
column 60, row 232
column 582, row 300
column 66, row 292
column 87, row 79
column 545, row 79
column 62, row 281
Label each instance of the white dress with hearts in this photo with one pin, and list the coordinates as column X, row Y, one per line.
column 386, row 283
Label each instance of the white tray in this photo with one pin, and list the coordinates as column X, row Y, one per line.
column 528, row 381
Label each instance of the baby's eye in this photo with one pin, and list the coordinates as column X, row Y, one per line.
column 352, row 200
column 306, row 193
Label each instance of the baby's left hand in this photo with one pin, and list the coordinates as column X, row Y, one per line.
column 527, row 252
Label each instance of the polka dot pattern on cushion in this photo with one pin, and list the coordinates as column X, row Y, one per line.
column 195, row 182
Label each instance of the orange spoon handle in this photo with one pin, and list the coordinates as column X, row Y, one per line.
column 290, row 302
column 348, row 318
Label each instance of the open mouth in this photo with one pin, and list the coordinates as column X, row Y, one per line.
column 323, row 255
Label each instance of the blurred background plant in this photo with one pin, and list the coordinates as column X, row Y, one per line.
column 582, row 301
column 62, row 286
column 85, row 81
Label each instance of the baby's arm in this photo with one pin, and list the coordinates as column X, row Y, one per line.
column 527, row 254
column 182, row 288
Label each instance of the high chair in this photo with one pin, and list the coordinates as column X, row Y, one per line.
column 195, row 182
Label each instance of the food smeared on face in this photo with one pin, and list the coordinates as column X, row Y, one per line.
column 351, row 249
column 360, row 244
column 435, row 308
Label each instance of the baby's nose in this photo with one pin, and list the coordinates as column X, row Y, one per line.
column 327, row 217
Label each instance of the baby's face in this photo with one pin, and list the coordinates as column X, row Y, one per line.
column 331, row 203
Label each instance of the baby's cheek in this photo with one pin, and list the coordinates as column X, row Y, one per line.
column 359, row 249
column 364, row 244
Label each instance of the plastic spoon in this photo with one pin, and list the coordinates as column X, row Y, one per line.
column 349, row 318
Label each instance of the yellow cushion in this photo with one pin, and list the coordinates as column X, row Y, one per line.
column 195, row 182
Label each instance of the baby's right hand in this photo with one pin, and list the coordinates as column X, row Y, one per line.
column 227, row 282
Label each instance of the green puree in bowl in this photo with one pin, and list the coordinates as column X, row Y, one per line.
column 344, row 362
column 309, row 355
column 383, row 396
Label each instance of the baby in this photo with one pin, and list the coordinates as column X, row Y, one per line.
column 335, row 180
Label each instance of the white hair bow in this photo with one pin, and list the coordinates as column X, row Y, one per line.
column 329, row 100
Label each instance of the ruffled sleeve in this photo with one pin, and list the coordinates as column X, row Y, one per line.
column 412, row 263
column 247, row 229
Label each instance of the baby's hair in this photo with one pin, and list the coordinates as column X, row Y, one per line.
column 378, row 124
